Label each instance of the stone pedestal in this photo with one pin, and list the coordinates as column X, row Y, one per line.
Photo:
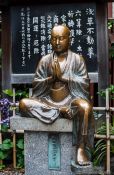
column 36, row 145
column 36, row 141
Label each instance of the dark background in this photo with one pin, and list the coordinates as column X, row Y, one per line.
column 58, row 9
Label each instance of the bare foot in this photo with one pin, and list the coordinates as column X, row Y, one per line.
column 82, row 158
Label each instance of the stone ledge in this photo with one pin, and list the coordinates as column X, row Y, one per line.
column 86, row 170
column 32, row 124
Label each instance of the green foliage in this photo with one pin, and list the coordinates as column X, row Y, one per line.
column 8, row 92
column 2, row 166
column 20, row 153
column 6, row 145
column 111, row 52
column 99, row 153
column 20, row 144
column 110, row 24
column 5, row 148
column 102, row 93
column 18, row 95
column 102, row 129
column 4, row 127
column 111, row 49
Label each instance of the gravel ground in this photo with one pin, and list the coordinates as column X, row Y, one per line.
column 12, row 172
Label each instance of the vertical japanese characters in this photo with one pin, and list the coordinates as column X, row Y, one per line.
column 36, row 31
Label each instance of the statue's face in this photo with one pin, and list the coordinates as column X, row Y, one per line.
column 60, row 39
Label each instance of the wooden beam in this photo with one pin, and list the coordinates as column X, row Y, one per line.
column 102, row 49
column 30, row 2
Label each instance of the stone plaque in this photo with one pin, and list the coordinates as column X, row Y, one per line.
column 54, row 152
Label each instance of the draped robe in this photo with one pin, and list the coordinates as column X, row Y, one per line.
column 77, row 80
column 42, row 106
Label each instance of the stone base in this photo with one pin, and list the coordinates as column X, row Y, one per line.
column 36, row 139
column 86, row 170
column 36, row 145
column 36, row 154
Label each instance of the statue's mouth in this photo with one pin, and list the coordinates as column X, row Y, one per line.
column 58, row 46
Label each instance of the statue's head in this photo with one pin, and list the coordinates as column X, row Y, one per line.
column 60, row 38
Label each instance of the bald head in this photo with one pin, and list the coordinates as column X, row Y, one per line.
column 60, row 38
column 61, row 28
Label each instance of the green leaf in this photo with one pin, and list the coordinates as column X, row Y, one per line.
column 7, row 141
column 102, row 129
column 0, row 146
column 3, row 155
column 8, row 92
column 20, row 143
column 100, row 157
column 7, row 146
column 23, row 152
column 98, row 142
column 22, row 94
column 99, row 148
column 4, row 128
column 100, row 145
column 2, row 166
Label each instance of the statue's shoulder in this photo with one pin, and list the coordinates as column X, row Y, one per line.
column 46, row 57
column 76, row 56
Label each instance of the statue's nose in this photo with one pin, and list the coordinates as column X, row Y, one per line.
column 58, row 41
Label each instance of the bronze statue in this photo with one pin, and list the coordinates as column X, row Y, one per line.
column 61, row 89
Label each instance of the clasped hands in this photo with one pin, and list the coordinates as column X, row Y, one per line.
column 56, row 69
column 56, row 72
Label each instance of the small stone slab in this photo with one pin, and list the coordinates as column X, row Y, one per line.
column 86, row 170
column 33, row 124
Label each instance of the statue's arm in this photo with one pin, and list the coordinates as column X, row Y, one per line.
column 41, row 74
column 79, row 80
column 79, row 69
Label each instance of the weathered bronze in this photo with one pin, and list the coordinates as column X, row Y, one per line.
column 61, row 89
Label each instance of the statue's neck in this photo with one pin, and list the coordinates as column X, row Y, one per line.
column 61, row 56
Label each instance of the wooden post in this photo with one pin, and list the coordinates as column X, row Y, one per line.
column 102, row 48
column 108, row 132
column 14, row 149
column 14, row 135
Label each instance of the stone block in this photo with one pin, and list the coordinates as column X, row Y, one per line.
column 36, row 140
column 36, row 144
column 36, row 154
column 32, row 124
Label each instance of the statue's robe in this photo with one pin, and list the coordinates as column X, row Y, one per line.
column 42, row 106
